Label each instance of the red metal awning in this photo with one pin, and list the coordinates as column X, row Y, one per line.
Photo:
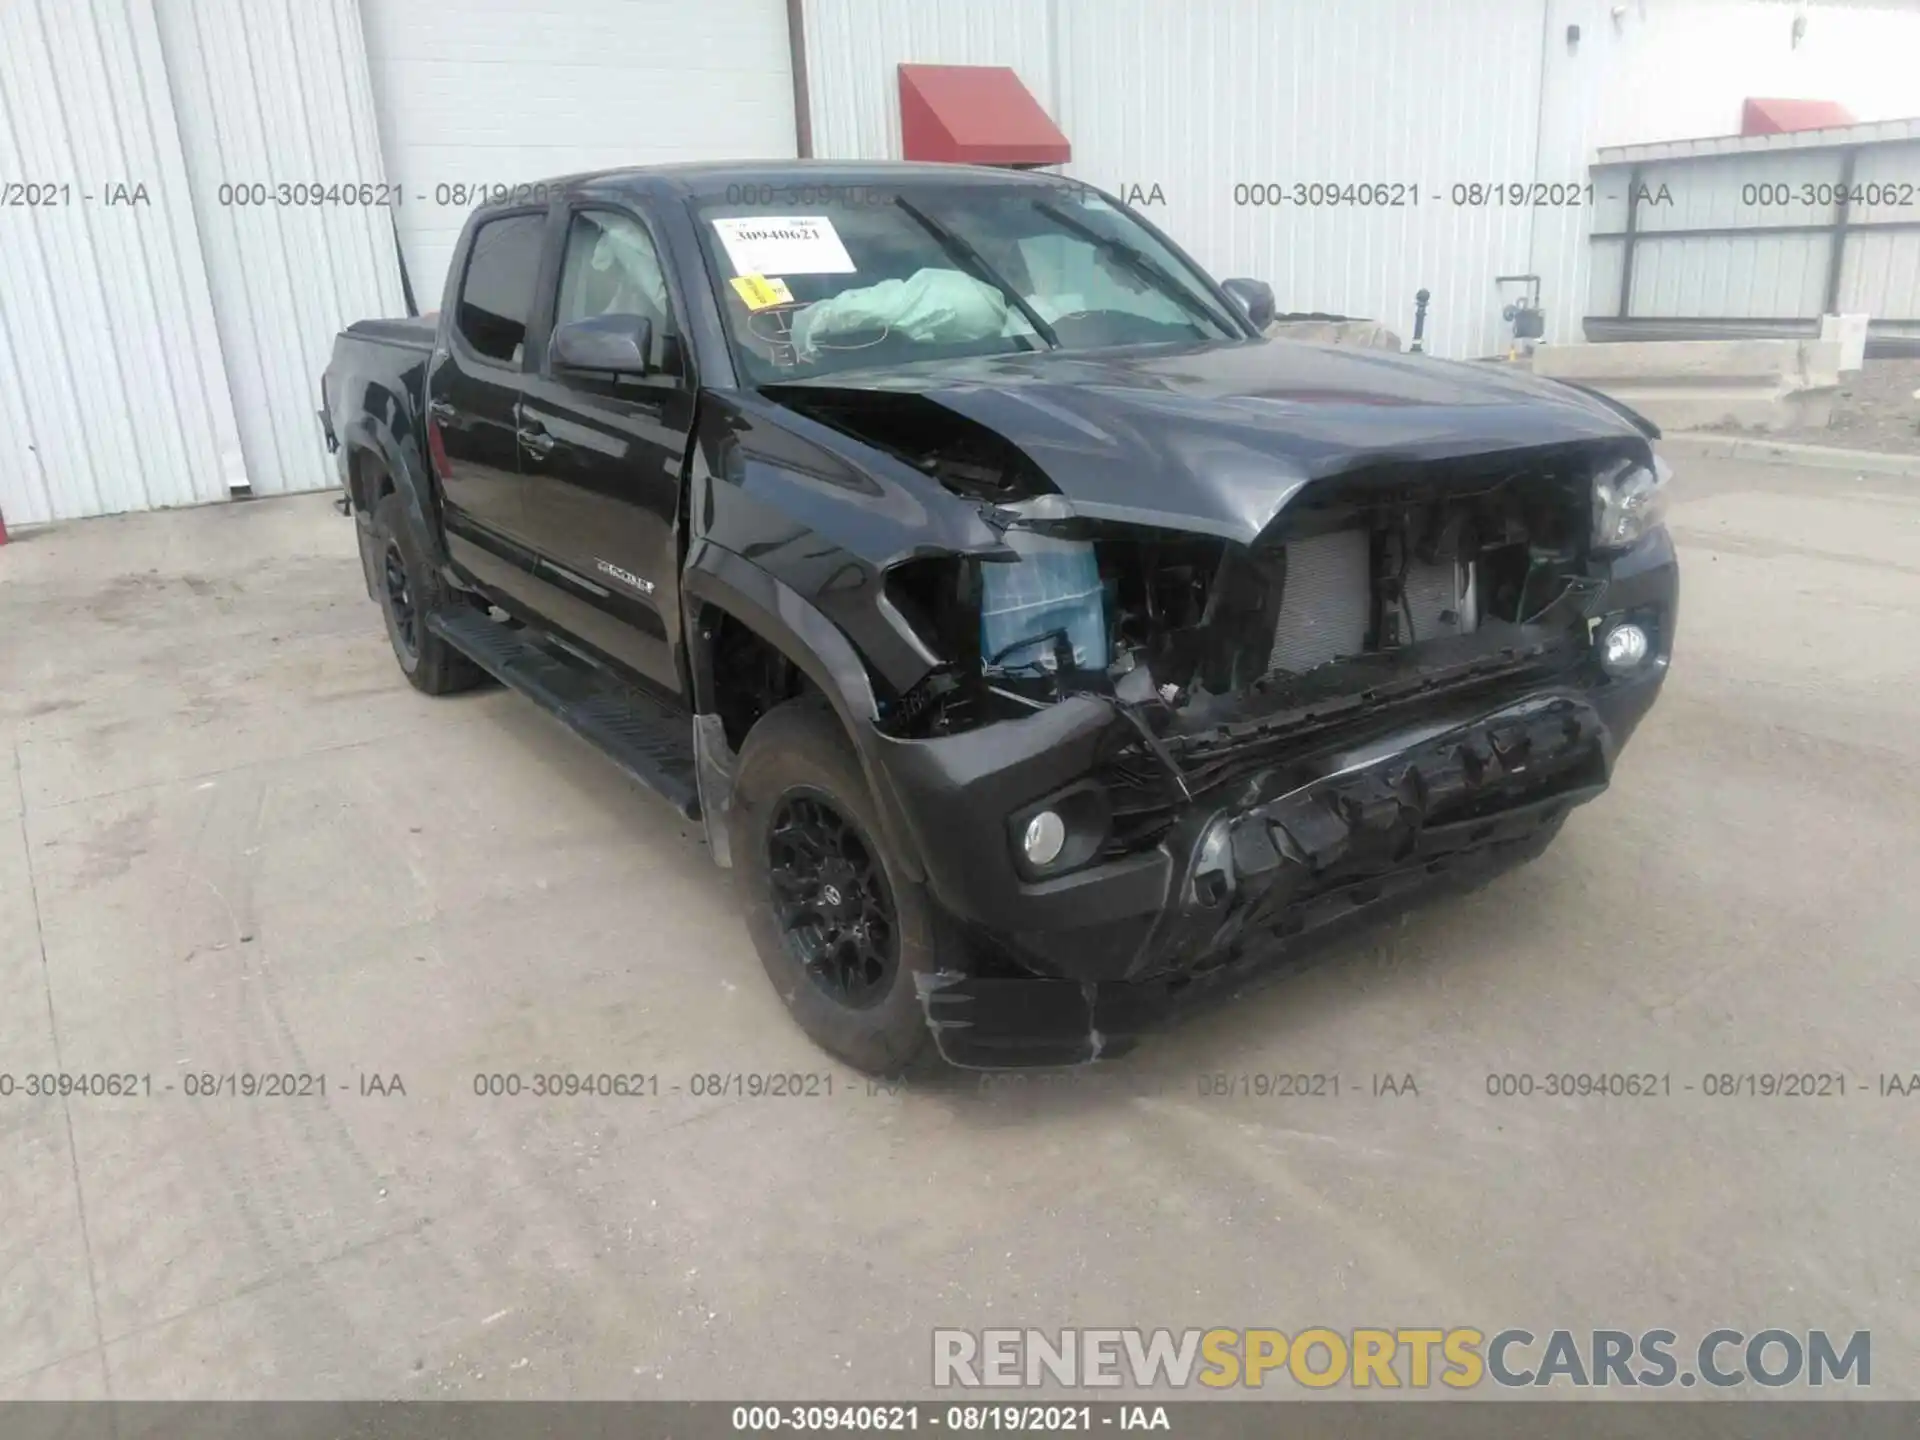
column 975, row 115
column 1779, row 117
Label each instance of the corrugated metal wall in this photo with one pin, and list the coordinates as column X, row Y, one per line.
column 112, row 386
column 1880, row 273
column 1742, row 187
column 1636, row 75
column 274, row 93
column 477, row 95
column 1577, row 81
column 160, row 341
column 1200, row 99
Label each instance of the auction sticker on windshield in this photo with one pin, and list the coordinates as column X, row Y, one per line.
column 760, row 293
column 784, row 245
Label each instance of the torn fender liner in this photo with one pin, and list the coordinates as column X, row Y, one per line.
column 1218, row 439
column 1259, row 883
column 991, row 1024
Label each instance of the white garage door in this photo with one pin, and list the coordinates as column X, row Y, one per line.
column 488, row 92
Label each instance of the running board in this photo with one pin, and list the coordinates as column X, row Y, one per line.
column 645, row 738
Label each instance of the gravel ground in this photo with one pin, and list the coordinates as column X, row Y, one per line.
column 1876, row 410
column 233, row 842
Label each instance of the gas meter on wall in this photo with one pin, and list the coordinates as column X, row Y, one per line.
column 1525, row 315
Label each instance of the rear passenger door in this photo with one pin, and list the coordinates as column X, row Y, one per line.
column 474, row 392
column 602, row 456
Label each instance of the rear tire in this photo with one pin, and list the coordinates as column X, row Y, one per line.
column 409, row 590
column 840, row 930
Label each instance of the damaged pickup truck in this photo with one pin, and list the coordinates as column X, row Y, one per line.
column 1040, row 646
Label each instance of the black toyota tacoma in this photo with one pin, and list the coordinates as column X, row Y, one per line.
column 1040, row 645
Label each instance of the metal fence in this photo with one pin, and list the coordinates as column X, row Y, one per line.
column 1759, row 235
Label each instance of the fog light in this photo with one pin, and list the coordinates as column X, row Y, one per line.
column 1045, row 838
column 1622, row 649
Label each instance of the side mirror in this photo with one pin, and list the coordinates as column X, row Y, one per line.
column 611, row 344
column 1254, row 297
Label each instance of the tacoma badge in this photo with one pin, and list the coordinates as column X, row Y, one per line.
column 625, row 577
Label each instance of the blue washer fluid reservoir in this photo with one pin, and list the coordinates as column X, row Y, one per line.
column 1027, row 604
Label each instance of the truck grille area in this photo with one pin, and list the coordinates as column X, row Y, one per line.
column 1287, row 865
column 1289, row 718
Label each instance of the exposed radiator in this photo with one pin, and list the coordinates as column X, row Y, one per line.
column 1327, row 601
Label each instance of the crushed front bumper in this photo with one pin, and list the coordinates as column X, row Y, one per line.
column 1073, row 967
column 1080, row 965
column 1256, row 887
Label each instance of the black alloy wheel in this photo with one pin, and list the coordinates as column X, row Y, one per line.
column 406, row 618
column 831, row 899
column 403, row 582
column 843, row 934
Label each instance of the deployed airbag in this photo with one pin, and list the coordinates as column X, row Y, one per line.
column 936, row 306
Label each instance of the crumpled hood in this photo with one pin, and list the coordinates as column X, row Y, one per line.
column 1219, row 438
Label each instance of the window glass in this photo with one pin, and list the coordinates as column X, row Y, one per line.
column 931, row 270
column 612, row 268
column 496, row 295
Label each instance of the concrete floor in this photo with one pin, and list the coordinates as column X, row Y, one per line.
column 234, row 840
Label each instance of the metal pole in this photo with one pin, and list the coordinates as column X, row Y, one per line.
column 1420, row 298
column 1626, row 258
column 802, row 84
column 1837, row 256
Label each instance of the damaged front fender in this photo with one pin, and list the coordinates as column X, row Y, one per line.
column 827, row 517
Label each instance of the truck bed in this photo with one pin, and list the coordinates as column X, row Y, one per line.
column 416, row 332
column 377, row 375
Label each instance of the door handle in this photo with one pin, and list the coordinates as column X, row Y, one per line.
column 443, row 412
column 536, row 440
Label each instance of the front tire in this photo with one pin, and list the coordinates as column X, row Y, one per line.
column 840, row 930
column 409, row 589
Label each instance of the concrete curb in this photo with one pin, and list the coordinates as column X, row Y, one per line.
column 1780, row 452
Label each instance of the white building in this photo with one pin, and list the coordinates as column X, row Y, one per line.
column 199, row 193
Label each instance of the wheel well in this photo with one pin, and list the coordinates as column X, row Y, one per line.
column 750, row 674
column 368, row 480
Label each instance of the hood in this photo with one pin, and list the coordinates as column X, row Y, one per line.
column 1219, row 438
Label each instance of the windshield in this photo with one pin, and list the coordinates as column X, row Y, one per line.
column 885, row 275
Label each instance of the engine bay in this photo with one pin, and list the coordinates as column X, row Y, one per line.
column 1192, row 625
column 1367, row 576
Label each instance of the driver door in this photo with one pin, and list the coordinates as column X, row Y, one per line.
column 603, row 457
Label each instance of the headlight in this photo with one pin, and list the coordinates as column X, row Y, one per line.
column 1629, row 501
